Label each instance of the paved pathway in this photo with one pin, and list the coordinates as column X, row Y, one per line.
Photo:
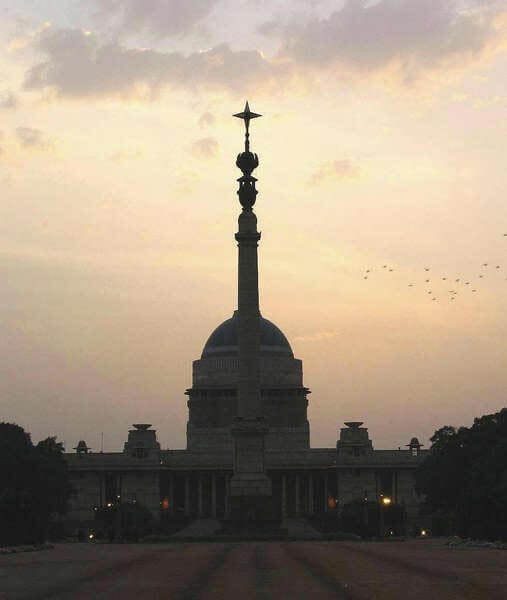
column 256, row 571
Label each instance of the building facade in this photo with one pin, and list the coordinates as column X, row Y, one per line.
column 247, row 403
column 194, row 482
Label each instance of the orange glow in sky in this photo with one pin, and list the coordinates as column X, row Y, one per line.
column 381, row 156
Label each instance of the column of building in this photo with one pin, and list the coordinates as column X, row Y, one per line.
column 249, row 484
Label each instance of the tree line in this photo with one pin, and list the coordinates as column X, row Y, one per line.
column 34, row 486
column 464, row 479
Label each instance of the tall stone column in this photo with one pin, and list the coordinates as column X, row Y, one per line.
column 227, row 494
column 297, row 496
column 200, row 505
column 213, row 495
column 187, row 496
column 250, row 488
column 310, row 494
column 284, row 496
column 171, row 494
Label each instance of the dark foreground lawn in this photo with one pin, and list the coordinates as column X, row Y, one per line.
column 415, row 570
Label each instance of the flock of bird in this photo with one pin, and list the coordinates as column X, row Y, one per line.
column 430, row 278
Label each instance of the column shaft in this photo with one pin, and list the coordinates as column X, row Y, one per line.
column 213, row 495
column 310, row 494
column 298, row 509
column 248, row 317
column 338, row 508
column 284, row 496
column 227, row 491
column 171, row 494
column 199, row 496
column 187, row 496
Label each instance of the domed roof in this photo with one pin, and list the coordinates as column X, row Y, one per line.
column 224, row 340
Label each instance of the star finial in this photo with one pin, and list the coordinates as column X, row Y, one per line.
column 247, row 115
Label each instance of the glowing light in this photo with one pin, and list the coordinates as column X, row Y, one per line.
column 91, row 536
column 386, row 501
column 109, row 505
column 165, row 504
column 424, row 532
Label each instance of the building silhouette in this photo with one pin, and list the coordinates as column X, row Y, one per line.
column 248, row 434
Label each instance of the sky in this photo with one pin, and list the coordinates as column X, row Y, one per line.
column 382, row 154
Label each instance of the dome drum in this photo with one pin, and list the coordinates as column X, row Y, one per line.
column 223, row 371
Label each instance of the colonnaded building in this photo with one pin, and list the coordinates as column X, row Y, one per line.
column 196, row 482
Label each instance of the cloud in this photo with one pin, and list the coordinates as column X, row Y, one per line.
column 8, row 100
column 336, row 170
column 411, row 37
column 78, row 64
column 206, row 120
column 160, row 17
column 402, row 40
column 205, row 147
column 30, row 138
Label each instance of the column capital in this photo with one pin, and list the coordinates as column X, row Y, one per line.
column 247, row 162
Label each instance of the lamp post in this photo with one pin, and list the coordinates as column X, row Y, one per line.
column 385, row 501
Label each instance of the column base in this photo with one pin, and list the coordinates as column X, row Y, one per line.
column 252, row 516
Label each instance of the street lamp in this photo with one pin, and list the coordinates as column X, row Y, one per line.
column 384, row 502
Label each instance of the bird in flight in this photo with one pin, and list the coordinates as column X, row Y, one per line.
column 485, row 265
column 426, row 268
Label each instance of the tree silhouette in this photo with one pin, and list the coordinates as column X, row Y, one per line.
column 464, row 478
column 34, row 485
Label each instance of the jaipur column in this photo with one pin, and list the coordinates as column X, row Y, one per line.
column 250, row 488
